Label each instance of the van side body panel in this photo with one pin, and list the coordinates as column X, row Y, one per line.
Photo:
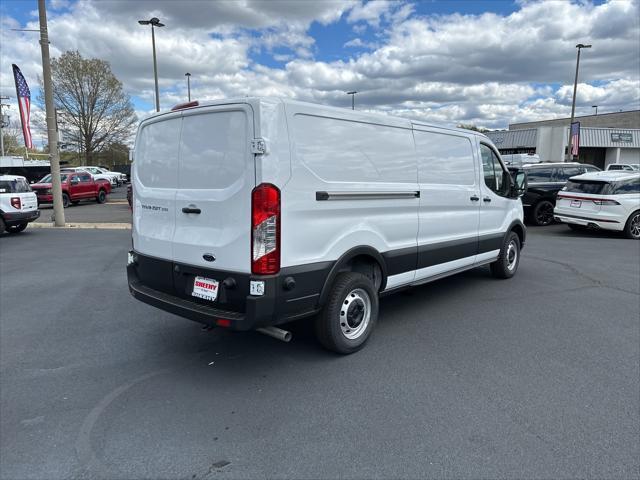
column 353, row 183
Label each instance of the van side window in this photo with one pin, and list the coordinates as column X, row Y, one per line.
column 495, row 177
column 444, row 159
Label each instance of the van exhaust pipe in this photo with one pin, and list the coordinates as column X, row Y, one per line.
column 276, row 332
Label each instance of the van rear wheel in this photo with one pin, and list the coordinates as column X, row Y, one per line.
column 509, row 258
column 350, row 314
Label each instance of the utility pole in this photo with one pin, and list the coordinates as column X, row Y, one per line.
column 154, row 22
column 56, row 187
column 580, row 46
column 353, row 99
column 188, row 75
column 3, row 123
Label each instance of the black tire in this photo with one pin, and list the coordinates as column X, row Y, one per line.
column 576, row 228
column 542, row 214
column 65, row 200
column 632, row 227
column 102, row 196
column 17, row 228
column 349, row 315
column 3, row 226
column 507, row 264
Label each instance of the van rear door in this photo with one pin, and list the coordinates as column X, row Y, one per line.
column 216, row 174
column 155, row 180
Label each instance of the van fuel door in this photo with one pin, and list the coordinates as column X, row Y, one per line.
column 259, row 146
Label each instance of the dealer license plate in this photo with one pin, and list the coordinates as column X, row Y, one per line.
column 205, row 288
column 576, row 203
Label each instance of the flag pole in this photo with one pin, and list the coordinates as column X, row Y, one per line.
column 58, row 209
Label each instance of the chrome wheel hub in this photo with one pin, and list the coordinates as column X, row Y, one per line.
column 355, row 313
column 635, row 226
column 512, row 255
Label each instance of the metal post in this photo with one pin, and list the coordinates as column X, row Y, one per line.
column 155, row 67
column 58, row 210
column 188, row 75
column 353, row 99
column 2, row 124
column 573, row 102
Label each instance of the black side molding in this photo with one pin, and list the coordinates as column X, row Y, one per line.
column 363, row 195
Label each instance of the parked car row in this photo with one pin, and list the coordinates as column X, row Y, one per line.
column 76, row 186
column 545, row 180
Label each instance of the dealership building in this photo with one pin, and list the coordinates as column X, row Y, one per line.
column 604, row 139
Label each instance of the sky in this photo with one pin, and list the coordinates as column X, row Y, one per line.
column 487, row 63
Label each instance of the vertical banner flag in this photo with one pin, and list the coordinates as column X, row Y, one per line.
column 24, row 103
column 575, row 138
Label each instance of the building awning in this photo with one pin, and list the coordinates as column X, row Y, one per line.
column 525, row 138
column 609, row 137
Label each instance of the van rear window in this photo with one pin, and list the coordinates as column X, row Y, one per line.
column 588, row 186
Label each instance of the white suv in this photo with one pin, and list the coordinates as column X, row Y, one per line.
column 18, row 204
column 606, row 200
column 251, row 213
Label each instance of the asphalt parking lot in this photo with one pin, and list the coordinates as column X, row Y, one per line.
column 115, row 210
column 467, row 377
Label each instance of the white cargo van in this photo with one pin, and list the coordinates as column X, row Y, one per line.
column 254, row 212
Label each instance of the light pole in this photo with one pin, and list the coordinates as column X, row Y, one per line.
column 579, row 46
column 154, row 22
column 4, row 122
column 353, row 99
column 188, row 75
column 596, row 107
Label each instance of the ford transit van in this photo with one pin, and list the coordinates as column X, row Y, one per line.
column 254, row 212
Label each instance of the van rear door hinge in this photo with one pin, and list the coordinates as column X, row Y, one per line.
column 259, row 146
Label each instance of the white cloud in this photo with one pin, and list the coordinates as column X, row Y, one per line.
column 485, row 69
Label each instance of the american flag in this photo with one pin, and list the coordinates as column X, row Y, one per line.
column 575, row 138
column 24, row 102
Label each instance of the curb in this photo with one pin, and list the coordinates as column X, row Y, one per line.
column 70, row 226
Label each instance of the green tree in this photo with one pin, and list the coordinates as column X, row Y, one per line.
column 94, row 111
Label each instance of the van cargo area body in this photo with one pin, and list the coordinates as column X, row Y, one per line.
column 254, row 212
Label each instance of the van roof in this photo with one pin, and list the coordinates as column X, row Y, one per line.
column 392, row 120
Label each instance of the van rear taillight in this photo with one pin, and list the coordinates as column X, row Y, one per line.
column 16, row 203
column 265, row 229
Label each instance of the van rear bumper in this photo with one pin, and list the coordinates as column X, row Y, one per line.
column 160, row 283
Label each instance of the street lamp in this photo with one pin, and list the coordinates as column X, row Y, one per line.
column 154, row 22
column 353, row 99
column 188, row 75
column 579, row 46
column 596, row 107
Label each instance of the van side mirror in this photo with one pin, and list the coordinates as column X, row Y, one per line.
column 519, row 182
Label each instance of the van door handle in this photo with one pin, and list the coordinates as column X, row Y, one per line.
column 486, row 199
column 474, row 198
column 190, row 210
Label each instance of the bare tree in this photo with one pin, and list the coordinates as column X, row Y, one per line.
column 97, row 112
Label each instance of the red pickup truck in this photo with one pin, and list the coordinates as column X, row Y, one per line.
column 76, row 186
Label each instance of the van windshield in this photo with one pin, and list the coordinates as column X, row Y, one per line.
column 588, row 186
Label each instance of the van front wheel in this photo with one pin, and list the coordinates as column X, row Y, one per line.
column 350, row 314
column 509, row 258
